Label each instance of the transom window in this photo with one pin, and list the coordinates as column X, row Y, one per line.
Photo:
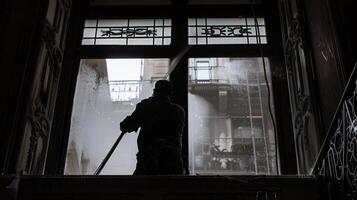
column 203, row 31
column 127, row 32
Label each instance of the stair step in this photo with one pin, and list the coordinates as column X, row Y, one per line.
column 168, row 187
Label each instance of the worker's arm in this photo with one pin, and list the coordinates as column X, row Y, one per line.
column 135, row 120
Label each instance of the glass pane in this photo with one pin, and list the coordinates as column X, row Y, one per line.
column 110, row 42
column 112, row 22
column 107, row 91
column 87, row 41
column 251, row 21
column 225, row 21
column 203, row 74
column 89, row 33
column 204, row 31
column 142, row 22
column 127, row 31
column 167, row 41
column 230, row 128
column 90, row 23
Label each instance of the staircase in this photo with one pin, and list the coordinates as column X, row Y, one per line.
column 165, row 188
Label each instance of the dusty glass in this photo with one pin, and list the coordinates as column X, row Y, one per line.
column 230, row 127
column 107, row 91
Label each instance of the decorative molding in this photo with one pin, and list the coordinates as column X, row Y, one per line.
column 304, row 116
column 293, row 40
column 297, row 68
column 303, row 105
column 40, row 127
column 124, row 32
column 226, row 31
column 49, row 38
column 302, row 102
column 66, row 4
column 44, row 90
column 295, row 32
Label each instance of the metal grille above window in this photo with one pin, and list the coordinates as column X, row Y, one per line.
column 127, row 32
column 204, row 31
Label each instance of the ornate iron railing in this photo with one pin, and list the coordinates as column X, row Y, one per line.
column 337, row 162
column 124, row 90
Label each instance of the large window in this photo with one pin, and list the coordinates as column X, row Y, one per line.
column 221, row 65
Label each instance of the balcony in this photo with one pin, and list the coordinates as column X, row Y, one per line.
column 208, row 85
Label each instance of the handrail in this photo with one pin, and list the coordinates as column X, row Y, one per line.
column 336, row 162
column 105, row 160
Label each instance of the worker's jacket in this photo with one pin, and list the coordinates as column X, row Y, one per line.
column 160, row 136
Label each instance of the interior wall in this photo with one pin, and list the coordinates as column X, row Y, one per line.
column 319, row 43
column 344, row 15
column 32, row 46
column 20, row 25
column 330, row 70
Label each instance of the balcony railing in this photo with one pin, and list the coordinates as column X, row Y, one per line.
column 208, row 81
column 126, row 90
column 337, row 162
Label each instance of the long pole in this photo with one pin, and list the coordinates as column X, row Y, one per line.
column 105, row 160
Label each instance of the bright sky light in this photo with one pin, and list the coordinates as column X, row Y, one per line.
column 123, row 69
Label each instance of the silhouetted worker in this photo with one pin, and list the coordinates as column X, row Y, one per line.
column 160, row 136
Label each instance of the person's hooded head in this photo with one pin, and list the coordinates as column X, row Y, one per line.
column 162, row 89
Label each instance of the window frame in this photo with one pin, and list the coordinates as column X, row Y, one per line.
column 179, row 14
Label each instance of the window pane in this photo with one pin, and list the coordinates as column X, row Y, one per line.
column 89, row 33
column 106, row 92
column 230, row 128
column 204, row 31
column 127, row 32
column 203, row 74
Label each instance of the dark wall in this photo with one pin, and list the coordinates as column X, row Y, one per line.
column 19, row 40
column 332, row 40
column 345, row 16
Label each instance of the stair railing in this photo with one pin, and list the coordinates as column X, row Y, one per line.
column 336, row 164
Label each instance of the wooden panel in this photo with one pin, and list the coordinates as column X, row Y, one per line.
column 44, row 88
column 303, row 96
